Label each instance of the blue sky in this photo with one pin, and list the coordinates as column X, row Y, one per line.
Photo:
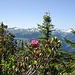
column 27, row 13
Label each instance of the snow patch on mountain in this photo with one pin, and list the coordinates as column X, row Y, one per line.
column 63, row 30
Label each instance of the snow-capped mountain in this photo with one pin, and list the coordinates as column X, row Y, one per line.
column 37, row 30
column 63, row 30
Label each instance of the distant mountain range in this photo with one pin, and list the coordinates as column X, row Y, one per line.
column 32, row 33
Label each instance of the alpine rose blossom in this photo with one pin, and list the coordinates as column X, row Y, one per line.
column 35, row 42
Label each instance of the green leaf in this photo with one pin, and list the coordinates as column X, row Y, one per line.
column 2, row 61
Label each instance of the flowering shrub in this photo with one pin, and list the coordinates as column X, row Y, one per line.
column 44, row 59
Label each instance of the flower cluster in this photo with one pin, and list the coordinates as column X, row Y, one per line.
column 35, row 42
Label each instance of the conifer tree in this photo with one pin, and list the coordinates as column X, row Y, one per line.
column 46, row 27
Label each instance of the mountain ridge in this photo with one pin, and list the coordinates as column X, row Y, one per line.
column 36, row 29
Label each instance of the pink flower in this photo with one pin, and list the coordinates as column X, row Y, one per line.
column 35, row 42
